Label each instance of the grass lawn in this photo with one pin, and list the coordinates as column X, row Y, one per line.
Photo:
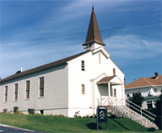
column 62, row 124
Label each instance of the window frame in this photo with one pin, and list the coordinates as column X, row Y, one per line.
column 82, row 65
column 83, row 89
column 15, row 109
column 16, row 92
column 149, row 104
column 115, row 90
column 155, row 90
column 6, row 94
column 27, row 96
column 114, row 71
column 41, row 87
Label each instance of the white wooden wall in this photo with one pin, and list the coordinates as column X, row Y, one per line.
column 55, row 92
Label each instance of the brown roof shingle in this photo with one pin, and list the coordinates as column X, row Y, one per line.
column 43, row 67
column 93, row 34
column 105, row 79
column 145, row 82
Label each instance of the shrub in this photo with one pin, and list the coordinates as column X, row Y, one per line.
column 31, row 111
column 90, row 116
column 110, row 115
column 60, row 115
column 77, row 114
column 94, row 116
column 86, row 116
column 151, row 129
column 19, row 113
column 158, row 119
column 137, row 99
column 152, row 110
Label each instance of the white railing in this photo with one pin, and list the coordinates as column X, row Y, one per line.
column 104, row 100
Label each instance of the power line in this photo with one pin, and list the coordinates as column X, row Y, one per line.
column 130, row 26
column 74, row 34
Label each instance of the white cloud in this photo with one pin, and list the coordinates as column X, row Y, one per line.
column 79, row 8
column 127, row 48
column 29, row 55
column 30, row 50
column 73, row 10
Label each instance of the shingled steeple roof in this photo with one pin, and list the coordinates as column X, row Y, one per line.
column 93, row 34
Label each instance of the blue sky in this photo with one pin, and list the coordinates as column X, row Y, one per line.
column 37, row 32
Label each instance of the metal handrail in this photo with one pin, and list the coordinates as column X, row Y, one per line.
column 142, row 112
column 116, row 101
column 141, row 108
column 131, row 115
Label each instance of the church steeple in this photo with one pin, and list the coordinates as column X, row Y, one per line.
column 93, row 34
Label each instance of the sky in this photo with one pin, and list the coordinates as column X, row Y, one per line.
column 37, row 32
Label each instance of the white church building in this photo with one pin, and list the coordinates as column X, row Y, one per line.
column 73, row 84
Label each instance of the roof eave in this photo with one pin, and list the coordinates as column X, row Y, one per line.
column 92, row 42
column 41, row 68
column 138, row 87
column 22, row 74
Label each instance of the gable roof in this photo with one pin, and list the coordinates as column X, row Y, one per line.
column 93, row 34
column 43, row 67
column 142, row 82
column 105, row 79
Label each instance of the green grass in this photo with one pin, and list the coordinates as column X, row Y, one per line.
column 62, row 124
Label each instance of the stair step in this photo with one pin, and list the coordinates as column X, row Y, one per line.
column 124, row 111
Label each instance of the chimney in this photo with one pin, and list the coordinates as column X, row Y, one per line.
column 21, row 69
column 156, row 74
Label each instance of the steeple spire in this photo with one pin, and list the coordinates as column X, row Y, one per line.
column 93, row 34
column 92, row 6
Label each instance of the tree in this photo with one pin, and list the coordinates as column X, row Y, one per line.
column 137, row 99
column 158, row 111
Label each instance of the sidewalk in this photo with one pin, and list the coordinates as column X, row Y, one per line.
column 11, row 129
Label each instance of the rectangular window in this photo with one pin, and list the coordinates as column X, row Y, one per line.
column 114, row 92
column 27, row 89
column 6, row 93
column 16, row 92
column 83, row 89
column 149, row 105
column 155, row 89
column 41, row 89
column 15, row 109
column 114, row 72
column 41, row 112
column 83, row 65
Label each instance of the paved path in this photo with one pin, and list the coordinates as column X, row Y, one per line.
column 10, row 129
